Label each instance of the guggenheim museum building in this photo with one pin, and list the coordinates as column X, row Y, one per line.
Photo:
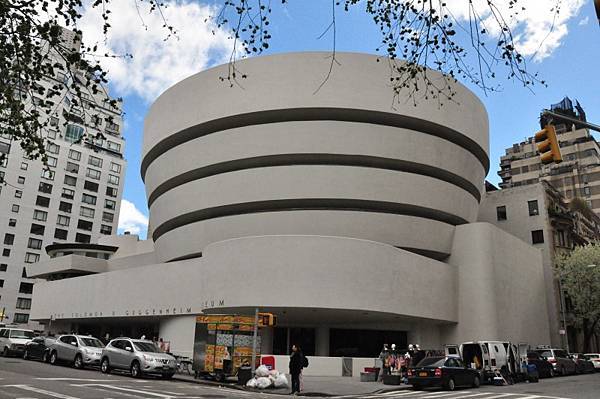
column 348, row 214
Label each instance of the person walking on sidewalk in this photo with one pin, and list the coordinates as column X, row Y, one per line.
column 296, row 365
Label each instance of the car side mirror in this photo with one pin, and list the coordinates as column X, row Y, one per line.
column 129, row 348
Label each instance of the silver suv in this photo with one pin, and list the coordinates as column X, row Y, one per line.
column 13, row 340
column 138, row 356
column 79, row 350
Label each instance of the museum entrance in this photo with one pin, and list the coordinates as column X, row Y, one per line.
column 363, row 343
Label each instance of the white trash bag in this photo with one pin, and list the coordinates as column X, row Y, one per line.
column 263, row 382
column 280, row 381
column 251, row 383
column 262, row 371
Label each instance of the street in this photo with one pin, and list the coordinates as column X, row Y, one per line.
column 20, row 379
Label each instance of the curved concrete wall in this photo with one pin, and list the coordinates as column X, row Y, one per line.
column 224, row 162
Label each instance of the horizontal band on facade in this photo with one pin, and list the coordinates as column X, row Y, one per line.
column 314, row 114
column 364, row 161
column 287, row 205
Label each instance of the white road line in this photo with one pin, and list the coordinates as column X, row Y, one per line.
column 441, row 395
column 165, row 395
column 503, row 395
column 74, row 379
column 41, row 391
column 474, row 395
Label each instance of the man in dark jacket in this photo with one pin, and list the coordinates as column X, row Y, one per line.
column 296, row 365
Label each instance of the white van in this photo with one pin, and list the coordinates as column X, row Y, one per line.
column 488, row 357
column 13, row 340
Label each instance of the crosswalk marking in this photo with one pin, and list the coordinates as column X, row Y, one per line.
column 134, row 391
column 41, row 391
column 404, row 394
column 74, row 379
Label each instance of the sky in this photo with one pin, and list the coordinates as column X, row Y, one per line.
column 566, row 56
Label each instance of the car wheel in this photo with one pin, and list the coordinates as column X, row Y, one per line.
column 5, row 351
column 53, row 358
column 26, row 355
column 476, row 382
column 450, row 385
column 105, row 366
column 78, row 362
column 135, row 369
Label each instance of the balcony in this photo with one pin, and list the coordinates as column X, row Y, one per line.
column 66, row 266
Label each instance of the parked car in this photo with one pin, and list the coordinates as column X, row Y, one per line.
column 594, row 358
column 582, row 363
column 489, row 357
column 448, row 372
column 38, row 348
column 544, row 367
column 79, row 350
column 138, row 356
column 13, row 340
column 560, row 360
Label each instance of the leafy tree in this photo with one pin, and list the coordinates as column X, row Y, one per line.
column 579, row 273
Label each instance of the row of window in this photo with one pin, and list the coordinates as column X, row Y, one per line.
column 24, row 288
column 501, row 213
column 74, row 134
column 88, row 185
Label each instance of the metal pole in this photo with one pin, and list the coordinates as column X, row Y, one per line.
column 571, row 119
column 254, row 339
column 564, row 311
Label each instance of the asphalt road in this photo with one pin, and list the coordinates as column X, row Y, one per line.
column 20, row 379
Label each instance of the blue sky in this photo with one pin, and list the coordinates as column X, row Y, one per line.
column 570, row 66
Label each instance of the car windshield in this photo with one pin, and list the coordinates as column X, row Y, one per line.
column 93, row 342
column 21, row 334
column 432, row 362
column 545, row 353
column 146, row 347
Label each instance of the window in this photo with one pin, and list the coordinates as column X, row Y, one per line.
column 18, row 193
column 54, row 121
column 110, row 204
column 12, row 222
column 88, row 199
column 83, row 238
column 86, row 212
column 40, row 215
column 15, row 208
column 60, row 234
column 26, row 288
column 75, row 155
column 65, row 207
column 23, row 303
column 111, row 192
column 45, row 188
column 107, row 217
column 31, row 258
column 24, row 273
column 34, row 243
column 6, row 252
column 47, row 174
column 113, row 146
column 37, row 229
column 2, row 176
column 42, row 201
column 84, row 225
column 73, row 133
column 585, row 178
column 115, row 167
column 587, row 191
column 1, row 283
column 68, row 193
column 104, row 229
column 501, row 212
column 93, row 173
column 9, row 239
column 21, row 318
column 70, row 180
column 91, row 186
column 72, row 167
column 52, row 148
column 52, row 161
column 560, row 238
column 21, row 180
column 537, row 236
column 95, row 161
column 3, row 267
column 112, row 179
column 63, row 220
column 24, row 165
column 533, row 208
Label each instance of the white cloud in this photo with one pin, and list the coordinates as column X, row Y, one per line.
column 584, row 21
column 538, row 30
column 132, row 219
column 156, row 64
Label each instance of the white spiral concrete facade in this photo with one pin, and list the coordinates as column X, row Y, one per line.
column 274, row 157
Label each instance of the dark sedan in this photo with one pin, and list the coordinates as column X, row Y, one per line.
column 583, row 364
column 447, row 372
column 37, row 348
column 543, row 366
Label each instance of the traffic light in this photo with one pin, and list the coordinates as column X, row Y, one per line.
column 267, row 320
column 547, row 145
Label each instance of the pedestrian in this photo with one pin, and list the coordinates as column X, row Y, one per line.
column 296, row 365
column 384, row 356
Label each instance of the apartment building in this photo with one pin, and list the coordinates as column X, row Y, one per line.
column 76, row 199
column 579, row 173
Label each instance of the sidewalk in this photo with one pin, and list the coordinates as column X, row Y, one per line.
column 313, row 386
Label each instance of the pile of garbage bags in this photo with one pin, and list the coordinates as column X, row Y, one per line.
column 265, row 378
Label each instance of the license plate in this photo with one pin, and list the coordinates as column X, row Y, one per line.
column 165, row 367
column 423, row 374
